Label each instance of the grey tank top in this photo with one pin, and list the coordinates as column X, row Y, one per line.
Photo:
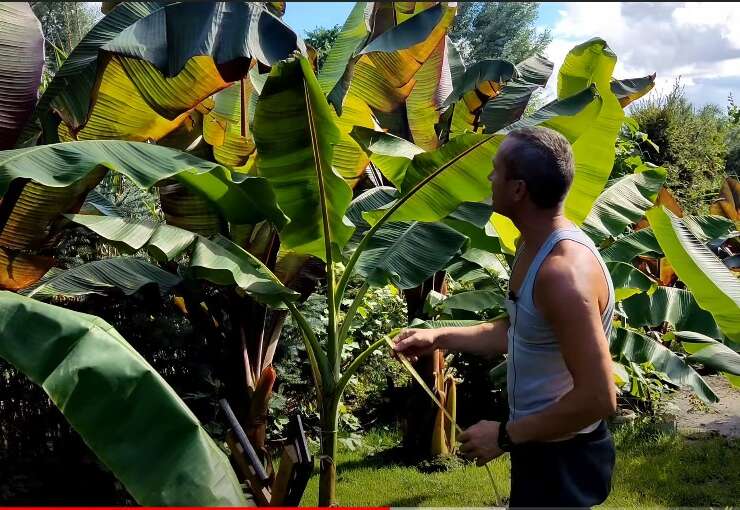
column 536, row 372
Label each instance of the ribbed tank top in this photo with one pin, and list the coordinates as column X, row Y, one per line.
column 536, row 372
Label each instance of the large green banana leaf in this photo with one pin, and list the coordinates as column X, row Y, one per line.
column 61, row 165
column 295, row 133
column 472, row 301
column 437, row 182
column 508, row 106
column 714, row 286
column 126, row 274
column 123, row 410
column 407, row 253
column 643, row 241
column 668, row 304
column 708, row 351
column 217, row 260
column 628, row 280
column 631, row 245
column 638, row 348
column 624, row 202
column 21, row 61
column 591, row 63
column 70, row 90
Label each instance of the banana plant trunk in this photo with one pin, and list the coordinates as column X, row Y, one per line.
column 327, row 463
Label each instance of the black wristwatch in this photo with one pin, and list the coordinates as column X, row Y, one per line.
column 504, row 441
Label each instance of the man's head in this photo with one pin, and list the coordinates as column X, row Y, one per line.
column 533, row 167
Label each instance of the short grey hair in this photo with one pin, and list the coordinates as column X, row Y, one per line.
column 543, row 159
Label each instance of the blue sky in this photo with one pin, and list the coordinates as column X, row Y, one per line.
column 303, row 16
column 696, row 42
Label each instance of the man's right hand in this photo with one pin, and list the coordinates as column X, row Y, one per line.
column 414, row 343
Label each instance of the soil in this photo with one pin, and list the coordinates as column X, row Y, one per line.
column 694, row 417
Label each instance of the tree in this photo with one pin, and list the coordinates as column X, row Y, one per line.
column 690, row 144
column 322, row 40
column 64, row 24
column 504, row 30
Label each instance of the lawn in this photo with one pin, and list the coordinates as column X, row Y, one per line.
column 654, row 468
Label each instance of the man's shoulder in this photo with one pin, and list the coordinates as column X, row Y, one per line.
column 568, row 268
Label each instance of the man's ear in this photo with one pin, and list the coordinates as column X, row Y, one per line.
column 520, row 190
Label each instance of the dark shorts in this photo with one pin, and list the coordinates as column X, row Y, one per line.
column 572, row 473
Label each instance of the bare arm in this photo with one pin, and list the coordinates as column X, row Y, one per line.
column 485, row 340
column 568, row 298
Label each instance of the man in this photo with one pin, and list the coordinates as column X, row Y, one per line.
column 559, row 370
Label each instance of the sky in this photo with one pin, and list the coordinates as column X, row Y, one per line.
column 698, row 42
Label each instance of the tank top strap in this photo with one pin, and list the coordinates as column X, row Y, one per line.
column 526, row 290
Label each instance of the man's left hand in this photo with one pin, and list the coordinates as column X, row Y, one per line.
column 480, row 442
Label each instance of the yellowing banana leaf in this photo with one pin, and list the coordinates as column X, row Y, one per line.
column 433, row 85
column 714, row 286
column 479, row 83
column 70, row 90
column 226, row 127
column 21, row 61
column 147, row 81
column 383, row 71
column 121, row 407
column 295, row 133
column 125, row 274
column 637, row 348
column 39, row 184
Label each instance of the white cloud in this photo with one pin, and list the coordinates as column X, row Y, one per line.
column 700, row 42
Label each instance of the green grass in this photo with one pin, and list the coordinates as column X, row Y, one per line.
column 654, row 468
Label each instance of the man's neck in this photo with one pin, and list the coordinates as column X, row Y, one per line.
column 537, row 225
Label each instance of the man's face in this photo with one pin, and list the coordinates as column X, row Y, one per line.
column 502, row 189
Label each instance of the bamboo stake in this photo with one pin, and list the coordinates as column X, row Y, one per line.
column 407, row 364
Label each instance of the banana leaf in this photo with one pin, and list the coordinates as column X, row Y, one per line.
column 472, row 301
column 509, row 106
column 714, row 286
column 71, row 88
column 628, row 280
column 154, row 73
column 624, row 202
column 631, row 245
column 591, row 63
column 669, row 304
column 407, row 253
column 218, row 260
column 632, row 89
column 634, row 347
column 125, row 274
column 295, row 133
column 121, row 407
column 22, row 61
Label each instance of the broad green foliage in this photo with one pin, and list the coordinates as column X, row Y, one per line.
column 638, row 348
column 713, row 285
column 295, row 134
column 124, row 411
